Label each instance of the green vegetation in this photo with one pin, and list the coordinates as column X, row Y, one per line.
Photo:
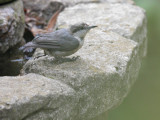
column 143, row 102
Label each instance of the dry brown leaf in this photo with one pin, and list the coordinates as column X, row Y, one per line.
column 53, row 20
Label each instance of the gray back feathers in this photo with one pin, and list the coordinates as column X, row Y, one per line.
column 60, row 40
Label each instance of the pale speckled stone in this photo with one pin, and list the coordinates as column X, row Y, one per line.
column 46, row 8
column 123, row 19
column 11, row 25
column 102, row 76
column 22, row 96
column 73, row 2
column 119, row 1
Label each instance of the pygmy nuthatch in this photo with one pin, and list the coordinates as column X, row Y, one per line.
column 63, row 42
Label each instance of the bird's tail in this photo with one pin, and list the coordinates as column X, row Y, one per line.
column 29, row 47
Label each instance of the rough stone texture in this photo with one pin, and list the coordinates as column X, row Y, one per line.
column 109, row 60
column 46, row 8
column 124, row 19
column 99, row 77
column 43, row 3
column 25, row 96
column 11, row 25
column 119, row 1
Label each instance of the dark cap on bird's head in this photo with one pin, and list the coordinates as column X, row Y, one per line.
column 81, row 26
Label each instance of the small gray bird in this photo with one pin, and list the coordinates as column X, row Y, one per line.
column 63, row 42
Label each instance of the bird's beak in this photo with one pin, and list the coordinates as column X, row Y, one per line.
column 90, row 27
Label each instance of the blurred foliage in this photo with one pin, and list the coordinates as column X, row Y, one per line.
column 143, row 102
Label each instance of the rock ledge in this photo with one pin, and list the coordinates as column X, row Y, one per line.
column 99, row 80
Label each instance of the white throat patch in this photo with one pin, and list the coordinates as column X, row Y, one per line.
column 81, row 33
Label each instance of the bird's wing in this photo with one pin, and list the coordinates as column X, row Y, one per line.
column 60, row 40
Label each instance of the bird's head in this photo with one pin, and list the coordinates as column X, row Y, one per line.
column 80, row 30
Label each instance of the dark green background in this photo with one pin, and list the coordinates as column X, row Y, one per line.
column 143, row 102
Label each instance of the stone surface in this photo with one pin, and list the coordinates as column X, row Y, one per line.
column 101, row 76
column 126, row 20
column 74, row 2
column 45, row 9
column 11, row 25
column 123, row 19
column 119, row 1
column 41, row 4
column 108, row 66
column 44, row 4
column 22, row 97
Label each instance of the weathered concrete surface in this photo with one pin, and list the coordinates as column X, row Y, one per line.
column 74, row 2
column 119, row 1
column 124, row 19
column 34, row 95
column 11, row 25
column 108, row 65
column 43, row 4
column 46, row 8
column 99, row 77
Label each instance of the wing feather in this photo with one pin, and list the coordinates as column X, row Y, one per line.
column 60, row 40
